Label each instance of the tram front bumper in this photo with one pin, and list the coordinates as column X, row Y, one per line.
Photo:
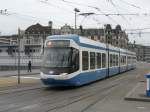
column 59, row 80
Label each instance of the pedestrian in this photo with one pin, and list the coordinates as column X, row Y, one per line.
column 29, row 66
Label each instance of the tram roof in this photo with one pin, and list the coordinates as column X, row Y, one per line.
column 80, row 39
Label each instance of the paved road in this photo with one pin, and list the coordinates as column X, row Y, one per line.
column 102, row 96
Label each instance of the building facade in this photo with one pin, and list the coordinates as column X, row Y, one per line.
column 142, row 52
column 116, row 37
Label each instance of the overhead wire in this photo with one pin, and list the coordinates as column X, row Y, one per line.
column 137, row 29
column 130, row 4
column 89, row 6
column 99, row 10
column 114, row 5
column 27, row 17
column 56, row 6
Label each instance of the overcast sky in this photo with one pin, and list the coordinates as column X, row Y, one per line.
column 24, row 13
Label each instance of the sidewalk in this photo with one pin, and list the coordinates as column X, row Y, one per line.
column 8, row 79
column 15, row 72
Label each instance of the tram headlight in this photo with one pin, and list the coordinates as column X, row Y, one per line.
column 51, row 72
column 48, row 44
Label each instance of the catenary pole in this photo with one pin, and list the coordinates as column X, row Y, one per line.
column 19, row 55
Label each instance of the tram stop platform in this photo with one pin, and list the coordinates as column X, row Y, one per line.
column 138, row 93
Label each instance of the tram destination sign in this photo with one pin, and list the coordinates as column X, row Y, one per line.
column 58, row 43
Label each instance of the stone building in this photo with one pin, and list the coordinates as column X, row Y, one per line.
column 34, row 37
column 142, row 52
column 36, row 34
column 94, row 34
column 8, row 40
column 116, row 37
column 66, row 29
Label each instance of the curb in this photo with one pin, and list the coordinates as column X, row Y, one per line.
column 137, row 99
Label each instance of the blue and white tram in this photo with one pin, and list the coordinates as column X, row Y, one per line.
column 71, row 60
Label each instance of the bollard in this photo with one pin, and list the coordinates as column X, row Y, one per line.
column 148, row 84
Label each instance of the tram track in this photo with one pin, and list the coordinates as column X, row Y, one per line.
column 91, row 95
column 57, row 98
column 72, row 97
column 95, row 101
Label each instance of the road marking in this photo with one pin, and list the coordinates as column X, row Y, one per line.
column 23, row 77
column 141, row 107
column 129, row 94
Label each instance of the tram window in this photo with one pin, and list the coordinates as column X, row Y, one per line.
column 128, row 59
column 114, row 59
column 92, row 60
column 103, row 60
column 75, row 59
column 111, row 61
column 98, row 60
column 85, row 61
column 125, row 60
column 120, row 60
column 132, row 60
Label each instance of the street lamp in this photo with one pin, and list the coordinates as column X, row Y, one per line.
column 87, row 14
column 76, row 10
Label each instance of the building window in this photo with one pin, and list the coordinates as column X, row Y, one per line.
column 98, row 37
column 14, row 50
column 98, row 60
column 9, row 50
column 92, row 37
column 92, row 60
column 27, row 50
column 103, row 60
column 85, row 60
column 31, row 50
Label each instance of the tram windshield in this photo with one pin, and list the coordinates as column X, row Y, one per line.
column 61, row 57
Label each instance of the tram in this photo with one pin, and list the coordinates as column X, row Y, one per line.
column 72, row 60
